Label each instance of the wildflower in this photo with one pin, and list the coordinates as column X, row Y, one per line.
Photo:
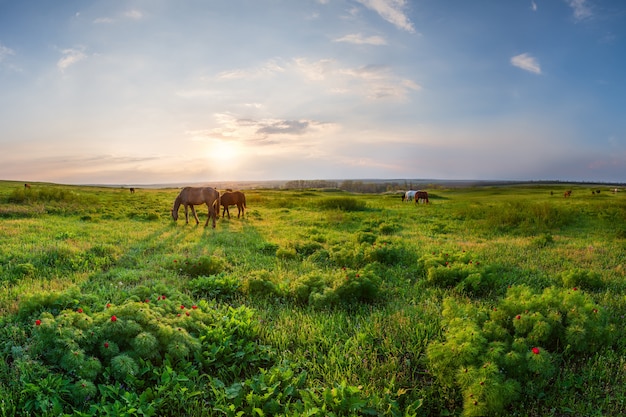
column 147, row 301
column 175, row 261
column 535, row 350
column 80, row 310
column 113, row 318
column 106, row 345
column 182, row 307
column 575, row 289
column 37, row 322
column 187, row 313
column 108, row 305
column 194, row 306
column 518, row 317
column 163, row 297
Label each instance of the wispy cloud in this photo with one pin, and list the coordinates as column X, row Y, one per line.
column 373, row 81
column 392, row 11
column 70, row 57
column 533, row 6
column 133, row 14
column 580, row 8
column 5, row 52
column 527, row 63
column 359, row 39
column 265, row 131
column 267, row 69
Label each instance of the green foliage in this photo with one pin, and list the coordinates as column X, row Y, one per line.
column 215, row 286
column 582, row 278
column 200, row 266
column 492, row 355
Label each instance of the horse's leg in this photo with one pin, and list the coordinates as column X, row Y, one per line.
column 187, row 213
column 195, row 215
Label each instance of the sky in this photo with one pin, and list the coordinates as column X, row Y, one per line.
column 174, row 91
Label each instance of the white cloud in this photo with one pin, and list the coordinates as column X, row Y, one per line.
column 391, row 11
column 267, row 69
column 580, row 8
column 526, row 62
column 533, row 6
column 70, row 57
column 5, row 51
column 359, row 39
column 133, row 14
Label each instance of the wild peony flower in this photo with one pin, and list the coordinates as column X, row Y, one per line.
column 106, row 345
column 108, row 305
column 37, row 322
column 518, row 317
column 535, row 350
column 80, row 310
column 113, row 318
column 194, row 306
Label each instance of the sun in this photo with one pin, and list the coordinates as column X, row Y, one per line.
column 229, row 151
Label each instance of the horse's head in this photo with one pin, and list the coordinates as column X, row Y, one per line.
column 174, row 214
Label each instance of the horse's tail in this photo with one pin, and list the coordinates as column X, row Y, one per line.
column 244, row 200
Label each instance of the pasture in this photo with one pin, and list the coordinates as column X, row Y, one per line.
column 486, row 301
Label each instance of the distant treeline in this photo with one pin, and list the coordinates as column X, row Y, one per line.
column 354, row 185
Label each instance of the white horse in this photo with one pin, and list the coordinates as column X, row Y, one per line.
column 409, row 196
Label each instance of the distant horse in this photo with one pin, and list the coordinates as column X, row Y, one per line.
column 194, row 196
column 233, row 198
column 409, row 196
column 132, row 190
column 567, row 193
column 421, row 195
column 27, row 185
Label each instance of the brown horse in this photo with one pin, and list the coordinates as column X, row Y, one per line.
column 26, row 185
column 421, row 195
column 194, row 196
column 233, row 198
column 132, row 190
column 567, row 193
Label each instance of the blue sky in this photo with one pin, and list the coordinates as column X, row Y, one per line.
column 156, row 91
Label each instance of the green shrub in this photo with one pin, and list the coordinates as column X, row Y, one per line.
column 215, row 286
column 491, row 355
column 582, row 278
column 201, row 266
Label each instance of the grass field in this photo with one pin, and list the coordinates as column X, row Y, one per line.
column 495, row 300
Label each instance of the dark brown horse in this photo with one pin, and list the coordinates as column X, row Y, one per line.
column 567, row 193
column 132, row 190
column 233, row 198
column 194, row 196
column 26, row 185
column 421, row 195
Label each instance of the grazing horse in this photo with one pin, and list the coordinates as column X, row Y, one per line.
column 409, row 196
column 132, row 190
column 233, row 198
column 26, row 185
column 421, row 195
column 567, row 193
column 194, row 196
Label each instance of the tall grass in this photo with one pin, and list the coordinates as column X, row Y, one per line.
column 310, row 305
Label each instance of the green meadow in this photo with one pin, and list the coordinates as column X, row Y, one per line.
column 491, row 300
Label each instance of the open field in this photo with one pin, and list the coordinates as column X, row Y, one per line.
column 492, row 300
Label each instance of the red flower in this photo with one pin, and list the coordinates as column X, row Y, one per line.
column 108, row 305
column 37, row 322
column 187, row 313
column 147, row 301
column 194, row 306
column 357, row 275
column 518, row 317
column 575, row 289
column 175, row 260
column 106, row 345
column 80, row 310
column 162, row 297
column 113, row 318
column 182, row 307
column 535, row 350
